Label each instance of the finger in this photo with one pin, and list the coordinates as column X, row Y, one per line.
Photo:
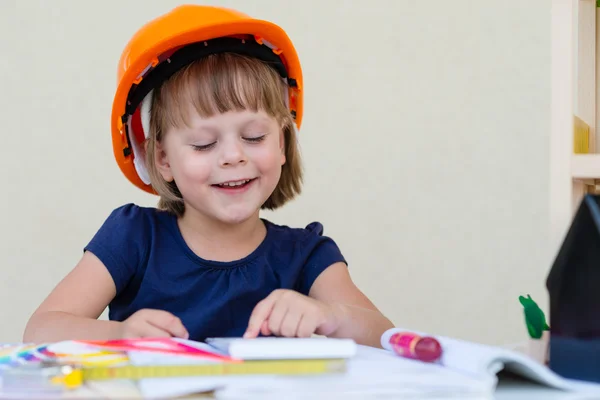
column 264, row 328
column 167, row 322
column 147, row 330
column 289, row 325
column 306, row 326
column 259, row 315
column 278, row 313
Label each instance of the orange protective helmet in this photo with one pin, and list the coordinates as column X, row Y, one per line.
column 169, row 42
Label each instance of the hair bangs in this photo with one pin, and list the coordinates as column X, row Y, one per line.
column 220, row 83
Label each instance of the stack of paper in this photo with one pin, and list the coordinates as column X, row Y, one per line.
column 282, row 348
column 371, row 372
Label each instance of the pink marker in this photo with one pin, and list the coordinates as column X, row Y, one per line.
column 411, row 345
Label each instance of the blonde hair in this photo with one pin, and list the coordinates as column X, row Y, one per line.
column 216, row 84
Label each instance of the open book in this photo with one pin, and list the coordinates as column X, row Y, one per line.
column 370, row 373
column 476, row 359
column 466, row 370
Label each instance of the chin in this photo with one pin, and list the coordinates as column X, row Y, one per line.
column 236, row 217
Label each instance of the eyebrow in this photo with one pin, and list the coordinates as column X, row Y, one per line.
column 261, row 121
column 201, row 129
column 212, row 128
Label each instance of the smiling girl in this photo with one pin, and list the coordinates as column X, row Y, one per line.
column 206, row 113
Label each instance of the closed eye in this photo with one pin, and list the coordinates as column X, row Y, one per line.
column 203, row 147
column 255, row 139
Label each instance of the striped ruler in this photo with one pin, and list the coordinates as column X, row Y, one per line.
column 262, row 367
column 49, row 376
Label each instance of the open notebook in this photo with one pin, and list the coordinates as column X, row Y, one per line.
column 371, row 373
column 476, row 359
column 467, row 370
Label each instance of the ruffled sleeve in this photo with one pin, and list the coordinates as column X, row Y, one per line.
column 121, row 243
column 321, row 252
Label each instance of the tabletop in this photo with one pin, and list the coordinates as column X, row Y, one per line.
column 513, row 388
column 509, row 388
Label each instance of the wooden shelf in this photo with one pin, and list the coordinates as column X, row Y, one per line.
column 585, row 166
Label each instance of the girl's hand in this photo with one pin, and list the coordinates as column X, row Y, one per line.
column 152, row 323
column 291, row 314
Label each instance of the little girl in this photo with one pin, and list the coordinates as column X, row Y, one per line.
column 205, row 116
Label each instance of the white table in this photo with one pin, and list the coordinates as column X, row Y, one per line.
column 508, row 389
column 516, row 389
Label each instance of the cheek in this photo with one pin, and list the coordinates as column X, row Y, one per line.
column 192, row 168
column 268, row 159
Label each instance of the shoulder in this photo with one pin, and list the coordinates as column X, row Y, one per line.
column 134, row 217
column 123, row 240
column 308, row 242
column 295, row 234
column 127, row 230
column 308, row 248
column 131, row 212
column 294, row 240
column 126, row 223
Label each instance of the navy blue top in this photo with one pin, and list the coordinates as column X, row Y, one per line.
column 153, row 267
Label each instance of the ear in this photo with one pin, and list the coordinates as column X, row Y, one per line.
column 161, row 160
column 282, row 144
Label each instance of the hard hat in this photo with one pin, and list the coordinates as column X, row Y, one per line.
column 168, row 43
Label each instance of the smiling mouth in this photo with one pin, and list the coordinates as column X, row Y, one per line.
column 234, row 184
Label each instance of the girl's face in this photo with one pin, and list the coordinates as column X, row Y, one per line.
column 225, row 166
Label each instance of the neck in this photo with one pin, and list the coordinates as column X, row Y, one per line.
column 217, row 241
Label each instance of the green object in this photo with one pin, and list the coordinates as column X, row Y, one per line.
column 534, row 317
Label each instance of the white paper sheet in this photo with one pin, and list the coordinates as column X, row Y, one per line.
column 370, row 372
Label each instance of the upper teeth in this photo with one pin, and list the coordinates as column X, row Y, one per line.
column 237, row 183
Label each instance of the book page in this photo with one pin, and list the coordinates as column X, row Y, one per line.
column 469, row 358
column 371, row 371
column 475, row 359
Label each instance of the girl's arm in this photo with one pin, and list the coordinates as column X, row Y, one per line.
column 72, row 308
column 71, row 311
column 358, row 318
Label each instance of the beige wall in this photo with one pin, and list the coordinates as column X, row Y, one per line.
column 425, row 139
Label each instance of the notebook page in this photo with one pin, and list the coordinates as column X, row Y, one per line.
column 493, row 359
column 473, row 358
column 469, row 358
column 477, row 359
column 174, row 387
column 371, row 371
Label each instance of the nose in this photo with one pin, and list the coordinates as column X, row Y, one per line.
column 232, row 153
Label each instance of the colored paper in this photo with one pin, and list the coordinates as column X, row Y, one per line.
column 158, row 345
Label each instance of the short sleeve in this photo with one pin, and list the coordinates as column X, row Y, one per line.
column 321, row 252
column 121, row 243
